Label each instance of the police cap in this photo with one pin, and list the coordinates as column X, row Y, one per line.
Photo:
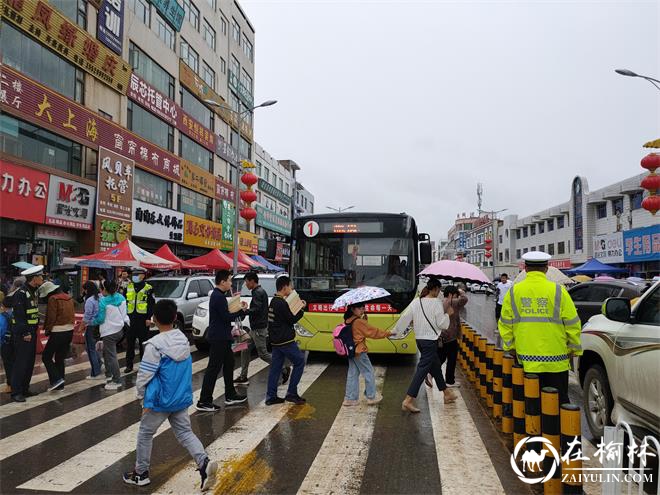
column 536, row 258
column 33, row 272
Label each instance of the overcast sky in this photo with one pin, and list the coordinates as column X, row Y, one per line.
column 405, row 106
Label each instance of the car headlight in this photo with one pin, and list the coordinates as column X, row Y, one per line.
column 302, row 331
column 201, row 312
column 402, row 335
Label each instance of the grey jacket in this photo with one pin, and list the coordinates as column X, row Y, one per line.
column 258, row 311
column 173, row 344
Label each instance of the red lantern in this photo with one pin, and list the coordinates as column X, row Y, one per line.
column 249, row 179
column 248, row 214
column 651, row 182
column 651, row 161
column 488, row 255
column 489, row 241
column 249, row 196
column 652, row 204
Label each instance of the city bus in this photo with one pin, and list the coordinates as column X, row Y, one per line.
column 333, row 253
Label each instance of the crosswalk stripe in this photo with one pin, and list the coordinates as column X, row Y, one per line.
column 341, row 460
column 241, row 438
column 458, row 444
column 78, row 469
column 42, row 432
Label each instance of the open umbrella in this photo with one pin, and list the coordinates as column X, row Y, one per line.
column 359, row 295
column 581, row 278
column 269, row 266
column 23, row 265
column 166, row 253
column 217, row 260
column 126, row 253
column 553, row 274
column 244, row 258
column 456, row 270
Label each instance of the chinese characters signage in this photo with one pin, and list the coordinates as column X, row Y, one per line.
column 23, row 193
column 224, row 150
column 153, row 100
column 111, row 232
column 370, row 308
column 270, row 220
column 171, row 11
column 42, row 21
column 248, row 242
column 115, row 185
column 70, row 204
column 271, row 190
column 202, row 233
column 197, row 179
column 609, row 248
column 228, row 222
column 224, row 190
column 641, row 244
column 196, row 131
column 111, row 25
column 154, row 222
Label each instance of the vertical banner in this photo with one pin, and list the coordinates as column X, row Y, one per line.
column 228, row 221
column 115, row 188
column 111, row 25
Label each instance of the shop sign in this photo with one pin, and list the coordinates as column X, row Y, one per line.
column 111, row 232
column 641, row 244
column 228, row 222
column 23, row 193
column 224, row 150
column 273, row 221
column 248, row 242
column 70, row 204
column 271, row 190
column 115, row 175
column 197, row 179
column 196, row 131
column 110, row 29
column 224, row 190
column 54, row 233
column 279, row 251
column 171, row 11
column 42, row 21
column 154, row 222
column 145, row 95
column 263, row 245
column 561, row 264
column 608, row 248
column 200, row 232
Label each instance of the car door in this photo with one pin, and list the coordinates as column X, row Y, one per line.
column 637, row 356
column 589, row 299
column 191, row 300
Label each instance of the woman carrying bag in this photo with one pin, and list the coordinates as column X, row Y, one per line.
column 92, row 334
column 429, row 319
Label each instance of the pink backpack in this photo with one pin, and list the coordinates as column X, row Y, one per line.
column 342, row 338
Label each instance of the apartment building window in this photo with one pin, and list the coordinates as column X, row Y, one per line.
column 223, row 25
column 235, row 66
column 266, row 174
column 191, row 13
column 195, row 153
column 533, row 248
column 601, row 210
column 246, row 81
column 208, row 75
column 105, row 114
column 551, row 225
column 141, row 9
column 542, row 248
column 150, row 127
column 189, row 56
column 524, row 230
column 551, row 249
column 561, row 247
column 76, row 10
column 197, row 109
column 286, row 189
column 258, row 163
column 517, row 233
column 636, row 200
column 501, row 256
column 532, row 230
column 560, row 222
column 541, row 228
column 223, row 65
column 152, row 189
column 525, row 250
column 234, row 102
column 149, row 70
column 209, row 35
column 235, row 31
column 248, row 49
column 165, row 32
column 281, row 188
column 518, row 254
column 274, row 180
column 500, row 239
column 617, row 206
column 196, row 204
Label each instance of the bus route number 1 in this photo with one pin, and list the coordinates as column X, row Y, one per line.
column 311, row 229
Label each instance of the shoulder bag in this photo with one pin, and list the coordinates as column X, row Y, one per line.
column 429, row 322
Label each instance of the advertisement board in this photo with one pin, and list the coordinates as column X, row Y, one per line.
column 115, row 183
column 608, row 248
column 70, row 204
column 155, row 222
column 200, row 232
column 228, row 221
column 268, row 219
column 23, row 193
column 197, row 179
column 110, row 232
column 642, row 244
column 110, row 29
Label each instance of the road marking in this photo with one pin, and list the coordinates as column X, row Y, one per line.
column 33, row 436
column 241, row 438
column 78, row 469
column 458, row 444
column 340, row 462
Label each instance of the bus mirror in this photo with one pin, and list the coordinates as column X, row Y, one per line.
column 424, row 237
column 425, row 255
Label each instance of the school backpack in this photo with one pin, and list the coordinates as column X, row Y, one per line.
column 342, row 338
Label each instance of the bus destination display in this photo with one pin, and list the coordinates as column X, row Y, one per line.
column 352, row 228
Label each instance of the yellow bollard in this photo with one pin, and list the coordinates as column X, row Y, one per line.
column 507, row 395
column 490, row 349
column 571, row 431
column 498, row 356
column 482, row 367
column 518, row 403
column 550, row 428
column 475, row 355
column 532, row 411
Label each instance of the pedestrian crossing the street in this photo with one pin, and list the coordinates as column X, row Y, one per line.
column 80, row 440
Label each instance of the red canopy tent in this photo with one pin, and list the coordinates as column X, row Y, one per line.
column 166, row 253
column 244, row 258
column 217, row 260
column 126, row 253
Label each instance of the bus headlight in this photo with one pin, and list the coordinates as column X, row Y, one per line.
column 302, row 331
column 402, row 335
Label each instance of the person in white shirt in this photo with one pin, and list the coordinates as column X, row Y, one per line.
column 503, row 287
column 429, row 319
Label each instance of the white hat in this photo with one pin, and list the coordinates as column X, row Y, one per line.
column 536, row 258
column 46, row 288
column 35, row 270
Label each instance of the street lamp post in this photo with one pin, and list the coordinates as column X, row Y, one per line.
column 339, row 209
column 237, row 180
column 629, row 73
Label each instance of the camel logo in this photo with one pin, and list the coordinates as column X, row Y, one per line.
column 532, row 461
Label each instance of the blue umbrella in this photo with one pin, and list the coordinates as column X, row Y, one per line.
column 23, row 265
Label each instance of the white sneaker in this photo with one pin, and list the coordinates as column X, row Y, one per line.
column 108, row 379
column 112, row 386
column 97, row 377
column 453, row 385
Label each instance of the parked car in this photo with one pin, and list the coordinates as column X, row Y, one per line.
column 200, row 320
column 590, row 296
column 186, row 291
column 620, row 365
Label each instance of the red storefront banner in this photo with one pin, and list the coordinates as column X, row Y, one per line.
column 368, row 307
column 23, row 193
column 224, row 190
column 28, row 99
column 196, row 131
column 564, row 264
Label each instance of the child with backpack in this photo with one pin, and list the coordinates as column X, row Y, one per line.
column 164, row 381
column 358, row 360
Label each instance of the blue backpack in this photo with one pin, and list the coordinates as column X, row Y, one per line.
column 342, row 338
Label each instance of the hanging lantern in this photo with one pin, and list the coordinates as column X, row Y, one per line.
column 249, row 179
column 651, row 203
column 248, row 196
column 488, row 255
column 651, row 183
column 489, row 241
column 651, row 161
column 248, row 214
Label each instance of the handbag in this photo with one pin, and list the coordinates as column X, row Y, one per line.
column 431, row 324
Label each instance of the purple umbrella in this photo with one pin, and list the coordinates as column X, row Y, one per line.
column 456, row 270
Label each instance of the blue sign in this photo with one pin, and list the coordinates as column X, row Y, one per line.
column 111, row 25
column 641, row 245
column 461, row 240
column 171, row 11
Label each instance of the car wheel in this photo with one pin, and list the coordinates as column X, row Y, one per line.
column 180, row 324
column 597, row 400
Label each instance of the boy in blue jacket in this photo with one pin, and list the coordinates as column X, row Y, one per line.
column 164, row 382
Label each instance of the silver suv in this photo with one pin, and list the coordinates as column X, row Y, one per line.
column 186, row 291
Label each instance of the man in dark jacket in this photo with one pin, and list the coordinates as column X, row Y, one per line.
column 219, row 337
column 282, row 337
column 258, row 314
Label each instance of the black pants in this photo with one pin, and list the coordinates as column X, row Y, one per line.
column 137, row 330
column 21, row 374
column 58, row 347
column 498, row 312
column 428, row 363
column 221, row 358
column 449, row 352
column 7, row 352
column 556, row 380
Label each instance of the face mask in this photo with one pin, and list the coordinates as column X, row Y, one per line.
column 136, row 279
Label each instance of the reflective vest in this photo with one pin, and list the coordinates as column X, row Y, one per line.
column 539, row 321
column 137, row 302
column 31, row 305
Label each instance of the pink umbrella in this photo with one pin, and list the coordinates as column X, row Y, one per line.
column 456, row 270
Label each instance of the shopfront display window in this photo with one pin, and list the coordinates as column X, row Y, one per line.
column 152, row 189
column 195, row 204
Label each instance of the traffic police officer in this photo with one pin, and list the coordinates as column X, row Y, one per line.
column 140, row 306
column 539, row 324
column 25, row 322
